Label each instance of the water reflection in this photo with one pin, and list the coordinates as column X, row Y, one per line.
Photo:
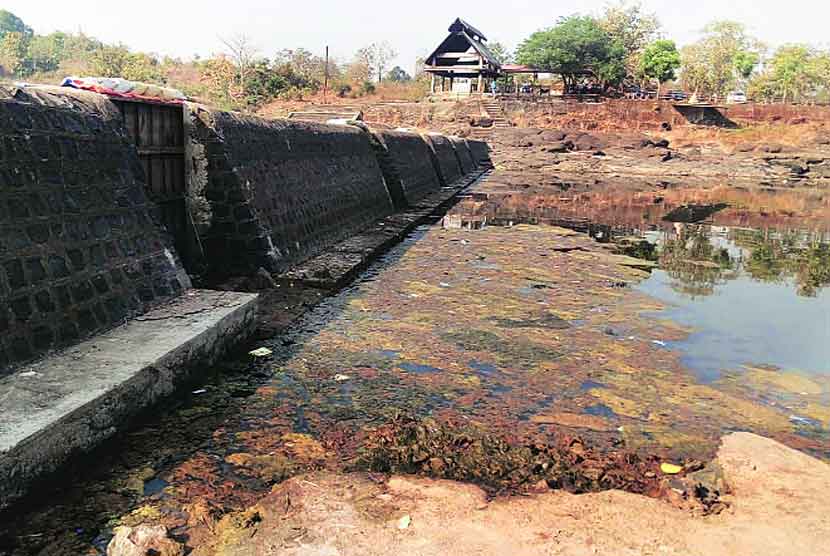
column 700, row 258
column 750, row 281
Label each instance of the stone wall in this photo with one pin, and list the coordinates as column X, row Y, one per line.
column 481, row 152
column 281, row 191
column 446, row 160
column 410, row 164
column 81, row 249
column 465, row 157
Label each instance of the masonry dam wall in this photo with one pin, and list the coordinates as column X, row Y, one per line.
column 81, row 250
column 282, row 191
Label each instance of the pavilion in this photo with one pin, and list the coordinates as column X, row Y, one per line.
column 463, row 64
column 463, row 57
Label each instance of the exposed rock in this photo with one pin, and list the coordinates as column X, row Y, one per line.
column 552, row 135
column 559, row 147
column 780, row 507
column 143, row 540
column 772, row 148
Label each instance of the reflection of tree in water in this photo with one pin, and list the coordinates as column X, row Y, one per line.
column 694, row 264
column 790, row 256
column 697, row 266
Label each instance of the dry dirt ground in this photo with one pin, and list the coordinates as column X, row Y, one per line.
column 778, row 506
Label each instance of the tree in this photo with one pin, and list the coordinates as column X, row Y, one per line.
column 46, row 52
column 631, row 27
column 575, row 46
column 242, row 53
column 370, row 62
column 10, row 23
column 398, row 75
column 309, row 66
column 715, row 63
column 218, row 74
column 13, row 49
column 360, row 70
column 745, row 62
column 381, row 54
column 500, row 52
column 796, row 72
column 659, row 62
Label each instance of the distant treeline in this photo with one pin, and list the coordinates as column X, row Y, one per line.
column 240, row 77
column 622, row 47
column 625, row 46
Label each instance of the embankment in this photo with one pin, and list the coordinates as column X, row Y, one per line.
column 465, row 156
column 281, row 191
column 409, row 163
column 81, row 250
column 444, row 158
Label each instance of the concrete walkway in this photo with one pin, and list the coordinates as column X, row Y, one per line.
column 70, row 402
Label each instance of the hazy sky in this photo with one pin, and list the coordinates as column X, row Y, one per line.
column 181, row 28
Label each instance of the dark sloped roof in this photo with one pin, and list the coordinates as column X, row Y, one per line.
column 472, row 36
column 482, row 49
column 460, row 25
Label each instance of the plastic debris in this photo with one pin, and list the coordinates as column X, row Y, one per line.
column 28, row 374
column 261, row 352
column 342, row 378
column 200, row 391
column 670, row 468
column 404, row 522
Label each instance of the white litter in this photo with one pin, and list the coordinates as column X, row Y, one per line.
column 261, row 352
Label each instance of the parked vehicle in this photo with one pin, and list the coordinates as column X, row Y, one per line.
column 676, row 95
column 736, row 97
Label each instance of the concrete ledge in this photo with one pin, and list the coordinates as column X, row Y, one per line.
column 68, row 403
column 341, row 263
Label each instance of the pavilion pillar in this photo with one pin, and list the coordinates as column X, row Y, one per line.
column 480, row 84
column 432, row 84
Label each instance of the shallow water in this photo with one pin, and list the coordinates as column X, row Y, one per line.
column 528, row 332
column 745, row 321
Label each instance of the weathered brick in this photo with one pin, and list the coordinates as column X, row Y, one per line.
column 73, row 216
column 306, row 186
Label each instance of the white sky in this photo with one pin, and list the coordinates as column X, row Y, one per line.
column 181, row 28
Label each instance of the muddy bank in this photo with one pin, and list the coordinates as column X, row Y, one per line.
column 324, row 513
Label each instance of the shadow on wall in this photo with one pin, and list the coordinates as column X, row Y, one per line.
column 705, row 115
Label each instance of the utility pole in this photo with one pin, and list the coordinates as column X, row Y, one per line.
column 326, row 78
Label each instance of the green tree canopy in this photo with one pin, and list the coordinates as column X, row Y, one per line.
column 716, row 63
column 500, row 52
column 796, row 72
column 575, row 46
column 398, row 75
column 632, row 28
column 13, row 48
column 10, row 23
column 659, row 61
